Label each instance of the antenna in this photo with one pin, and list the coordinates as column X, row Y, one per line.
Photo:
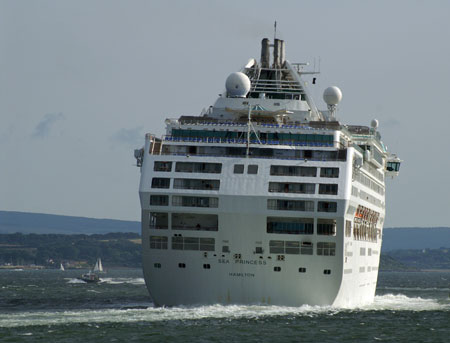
column 275, row 31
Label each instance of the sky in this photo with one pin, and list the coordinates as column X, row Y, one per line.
column 81, row 82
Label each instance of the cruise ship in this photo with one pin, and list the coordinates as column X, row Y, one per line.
column 263, row 198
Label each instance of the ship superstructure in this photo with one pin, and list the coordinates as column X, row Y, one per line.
column 263, row 198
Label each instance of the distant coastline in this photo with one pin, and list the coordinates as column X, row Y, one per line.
column 36, row 240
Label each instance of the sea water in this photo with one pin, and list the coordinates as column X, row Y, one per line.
column 54, row 306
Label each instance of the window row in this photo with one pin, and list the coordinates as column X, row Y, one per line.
column 198, row 184
column 275, row 136
column 183, row 221
column 302, row 188
column 367, row 181
column 185, row 201
column 188, row 167
column 254, row 152
column 216, row 168
column 300, row 226
column 303, row 248
column 280, row 170
column 183, row 243
column 301, row 205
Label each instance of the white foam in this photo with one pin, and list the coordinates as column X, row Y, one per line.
column 119, row 281
column 151, row 314
column 75, row 281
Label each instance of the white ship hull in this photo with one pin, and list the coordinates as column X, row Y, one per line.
column 251, row 279
column 264, row 199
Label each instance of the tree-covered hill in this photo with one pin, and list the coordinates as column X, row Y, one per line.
column 115, row 249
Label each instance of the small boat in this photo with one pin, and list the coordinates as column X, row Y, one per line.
column 90, row 277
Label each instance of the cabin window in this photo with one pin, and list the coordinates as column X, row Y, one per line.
column 331, row 189
column 292, row 187
column 193, row 243
column 329, row 172
column 188, row 201
column 277, row 269
column 159, row 221
column 238, row 169
column 326, row 227
column 327, row 206
column 252, row 169
column 206, row 266
column 198, row 167
column 326, row 248
column 159, row 200
column 290, row 205
column 284, row 247
column 158, row 242
column 293, row 171
column 181, row 265
column 306, row 248
column 157, row 265
column 195, row 222
column 162, row 166
column 200, row 184
column 160, row 182
column 327, row 271
column 283, row 225
column 348, row 228
column 302, row 270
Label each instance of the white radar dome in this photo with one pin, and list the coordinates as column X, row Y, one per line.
column 238, row 85
column 374, row 123
column 332, row 95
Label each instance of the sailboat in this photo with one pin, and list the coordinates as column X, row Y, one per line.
column 61, row 267
column 98, row 268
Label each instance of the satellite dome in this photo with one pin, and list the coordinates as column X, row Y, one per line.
column 238, row 85
column 332, row 95
column 374, row 124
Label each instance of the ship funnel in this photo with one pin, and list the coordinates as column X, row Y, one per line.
column 282, row 53
column 265, row 53
column 276, row 53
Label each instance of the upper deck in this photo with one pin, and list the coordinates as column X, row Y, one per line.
column 266, row 111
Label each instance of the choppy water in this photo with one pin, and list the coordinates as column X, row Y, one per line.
column 53, row 306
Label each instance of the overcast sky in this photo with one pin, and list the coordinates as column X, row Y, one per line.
column 81, row 82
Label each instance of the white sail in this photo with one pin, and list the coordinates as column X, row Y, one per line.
column 98, row 266
column 61, row 267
